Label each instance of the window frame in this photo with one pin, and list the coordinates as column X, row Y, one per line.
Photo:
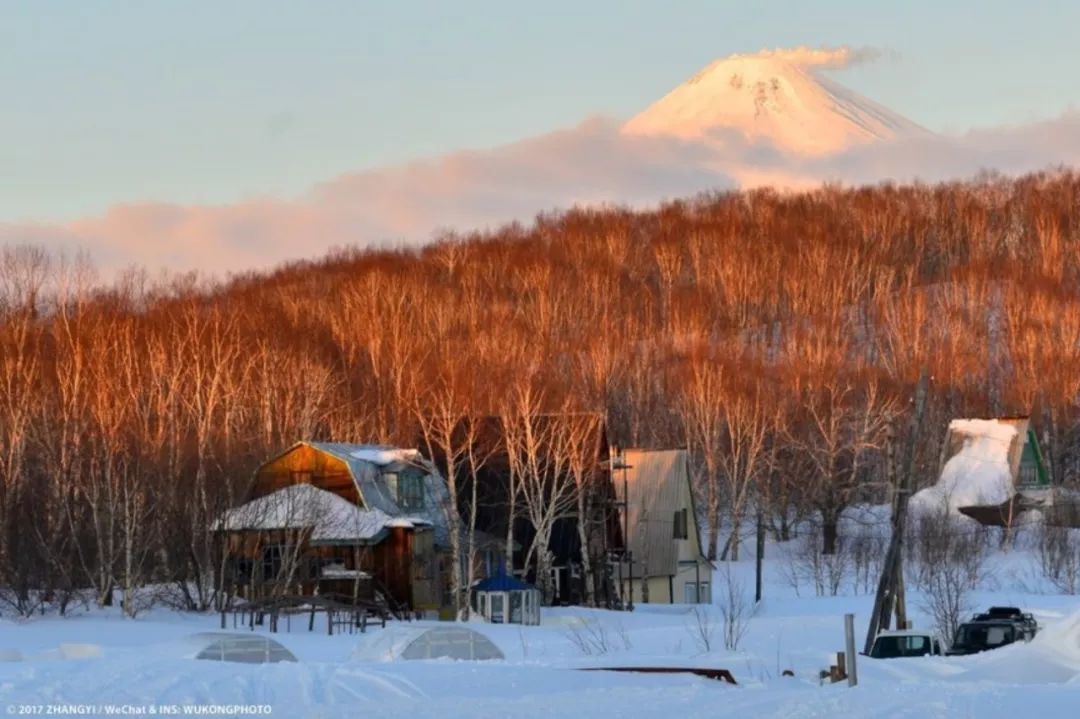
column 681, row 525
column 410, row 490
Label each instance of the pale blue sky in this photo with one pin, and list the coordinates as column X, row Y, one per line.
column 114, row 101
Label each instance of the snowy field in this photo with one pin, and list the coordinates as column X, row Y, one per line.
column 139, row 665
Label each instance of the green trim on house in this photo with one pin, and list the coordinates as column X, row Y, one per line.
column 1032, row 454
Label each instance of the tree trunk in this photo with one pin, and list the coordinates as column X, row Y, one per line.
column 714, row 527
column 583, row 508
column 509, row 549
column 829, row 534
column 736, row 525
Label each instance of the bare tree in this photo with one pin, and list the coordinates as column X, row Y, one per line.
column 444, row 411
column 582, row 436
column 701, row 628
column 843, row 424
column 701, row 406
column 539, row 466
column 736, row 608
column 949, row 556
column 748, row 423
column 23, row 273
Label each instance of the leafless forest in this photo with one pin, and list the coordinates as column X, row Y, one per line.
column 777, row 336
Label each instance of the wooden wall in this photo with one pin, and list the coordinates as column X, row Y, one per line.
column 305, row 464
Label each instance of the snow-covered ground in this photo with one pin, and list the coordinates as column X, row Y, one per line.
column 139, row 665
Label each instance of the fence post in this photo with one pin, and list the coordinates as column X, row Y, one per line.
column 849, row 637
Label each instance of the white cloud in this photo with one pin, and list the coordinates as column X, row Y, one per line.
column 588, row 164
column 834, row 57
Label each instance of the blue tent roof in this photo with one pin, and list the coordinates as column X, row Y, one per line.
column 500, row 582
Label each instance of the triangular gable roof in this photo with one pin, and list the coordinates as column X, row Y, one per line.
column 659, row 485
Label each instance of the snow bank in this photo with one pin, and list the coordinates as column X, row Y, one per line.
column 978, row 474
column 302, row 505
column 1064, row 639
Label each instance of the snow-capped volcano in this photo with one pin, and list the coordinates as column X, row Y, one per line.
column 778, row 96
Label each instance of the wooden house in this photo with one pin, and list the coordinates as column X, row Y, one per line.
column 351, row 520
column 666, row 563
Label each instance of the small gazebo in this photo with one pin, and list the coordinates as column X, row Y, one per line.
column 502, row 599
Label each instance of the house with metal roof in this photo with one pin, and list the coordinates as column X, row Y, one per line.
column 357, row 521
column 664, row 562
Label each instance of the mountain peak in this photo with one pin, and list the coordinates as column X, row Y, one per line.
column 776, row 96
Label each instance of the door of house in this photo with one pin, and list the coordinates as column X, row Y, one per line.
column 498, row 608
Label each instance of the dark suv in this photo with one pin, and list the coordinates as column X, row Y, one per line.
column 993, row 629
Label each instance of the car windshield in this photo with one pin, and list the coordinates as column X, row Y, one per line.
column 890, row 647
column 985, row 635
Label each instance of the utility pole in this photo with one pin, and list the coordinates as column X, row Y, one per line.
column 628, row 556
column 760, row 554
column 890, row 590
column 626, row 529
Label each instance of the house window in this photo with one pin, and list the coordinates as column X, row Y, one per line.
column 680, row 525
column 273, row 557
column 410, row 491
column 697, row 593
column 241, row 569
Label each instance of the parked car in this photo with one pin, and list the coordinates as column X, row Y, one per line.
column 906, row 643
column 995, row 628
column 1024, row 620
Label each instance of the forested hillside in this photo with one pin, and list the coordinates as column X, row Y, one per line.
column 778, row 335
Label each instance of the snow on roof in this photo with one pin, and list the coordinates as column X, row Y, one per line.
column 979, row 474
column 383, row 456
column 906, row 632
column 370, row 464
column 330, row 517
column 408, row 522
